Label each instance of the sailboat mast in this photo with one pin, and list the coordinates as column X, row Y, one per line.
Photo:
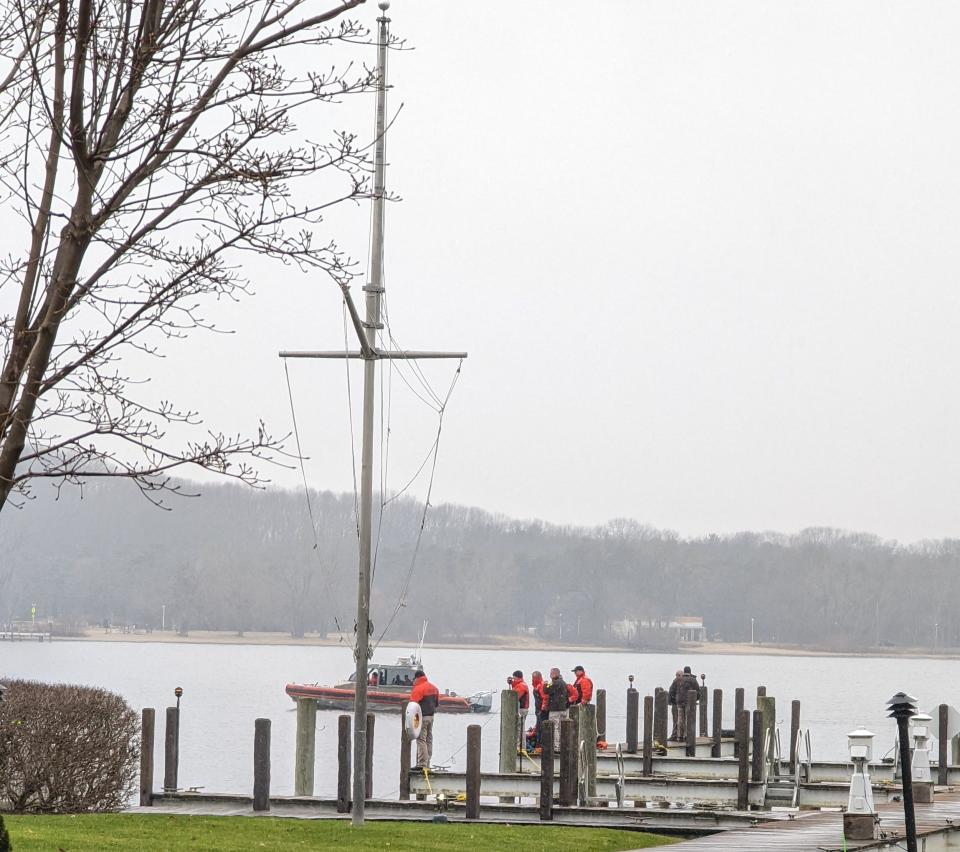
column 373, row 290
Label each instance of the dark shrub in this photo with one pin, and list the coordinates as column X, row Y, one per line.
column 4, row 838
column 66, row 749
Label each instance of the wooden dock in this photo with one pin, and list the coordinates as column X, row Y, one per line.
column 938, row 823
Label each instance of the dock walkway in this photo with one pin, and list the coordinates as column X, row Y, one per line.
column 823, row 832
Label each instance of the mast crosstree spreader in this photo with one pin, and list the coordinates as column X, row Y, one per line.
column 369, row 353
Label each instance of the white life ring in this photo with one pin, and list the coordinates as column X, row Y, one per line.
column 413, row 720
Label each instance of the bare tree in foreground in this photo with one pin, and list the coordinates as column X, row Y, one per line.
column 147, row 148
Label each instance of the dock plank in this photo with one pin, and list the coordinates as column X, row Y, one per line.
column 823, row 832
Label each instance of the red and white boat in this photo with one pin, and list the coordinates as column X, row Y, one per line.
column 389, row 687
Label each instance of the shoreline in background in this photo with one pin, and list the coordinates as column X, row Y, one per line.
column 496, row 643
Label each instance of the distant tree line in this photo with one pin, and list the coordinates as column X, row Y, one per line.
column 240, row 559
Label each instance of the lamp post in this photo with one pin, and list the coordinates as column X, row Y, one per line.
column 903, row 707
column 163, row 616
column 751, row 631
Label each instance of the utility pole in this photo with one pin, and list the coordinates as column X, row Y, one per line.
column 370, row 353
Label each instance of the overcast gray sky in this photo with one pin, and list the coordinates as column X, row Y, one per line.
column 703, row 256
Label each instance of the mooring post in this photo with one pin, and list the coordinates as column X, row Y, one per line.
column 602, row 714
column 343, row 764
column 943, row 744
column 585, row 715
column 568, row 763
column 546, row 773
column 660, row 716
column 761, row 691
column 702, row 699
column 404, row 756
column 767, row 705
column 147, row 723
column 509, row 727
column 717, row 723
column 473, row 772
column 633, row 711
column 306, row 747
column 738, row 703
column 742, row 737
column 756, row 768
column 648, row 735
column 368, row 776
column 261, row 765
column 794, row 733
column 691, row 711
column 171, row 758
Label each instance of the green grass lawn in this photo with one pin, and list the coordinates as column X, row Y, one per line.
column 133, row 832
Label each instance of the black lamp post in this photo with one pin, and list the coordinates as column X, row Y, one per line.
column 902, row 707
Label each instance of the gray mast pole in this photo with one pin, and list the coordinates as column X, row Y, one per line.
column 373, row 290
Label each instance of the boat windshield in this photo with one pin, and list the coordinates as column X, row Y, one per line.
column 389, row 676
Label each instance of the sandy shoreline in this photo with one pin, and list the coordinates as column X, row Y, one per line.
column 497, row 643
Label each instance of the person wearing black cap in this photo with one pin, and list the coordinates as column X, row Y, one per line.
column 520, row 687
column 583, row 686
column 428, row 697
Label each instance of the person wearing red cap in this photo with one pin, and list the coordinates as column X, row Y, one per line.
column 583, row 685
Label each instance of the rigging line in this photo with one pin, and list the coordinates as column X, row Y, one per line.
column 353, row 446
column 402, row 598
column 492, row 716
column 414, row 367
column 324, row 575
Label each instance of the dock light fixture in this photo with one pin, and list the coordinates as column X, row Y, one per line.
column 179, row 693
column 630, row 681
column 903, row 707
column 859, row 822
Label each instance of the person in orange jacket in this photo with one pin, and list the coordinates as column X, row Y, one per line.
column 583, row 687
column 428, row 697
column 519, row 686
column 540, row 703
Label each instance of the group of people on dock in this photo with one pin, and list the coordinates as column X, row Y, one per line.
column 550, row 700
column 684, row 690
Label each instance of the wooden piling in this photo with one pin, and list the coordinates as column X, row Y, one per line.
column 343, row 764
column 794, row 733
column 633, row 707
column 648, row 735
column 509, row 721
column 404, row 756
column 509, row 726
column 756, row 768
column 368, row 779
column 568, row 763
column 306, row 747
column 602, row 714
column 767, row 705
column 171, row 757
column 943, row 743
column 147, row 724
column 717, row 723
column 660, row 716
column 546, row 773
column 702, row 702
column 261, row 765
column 691, row 711
column 473, row 772
column 742, row 731
column 761, row 691
column 585, row 716
column 738, row 704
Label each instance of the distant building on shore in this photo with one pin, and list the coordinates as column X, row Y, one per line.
column 683, row 628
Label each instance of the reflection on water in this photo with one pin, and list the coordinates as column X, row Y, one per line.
column 226, row 687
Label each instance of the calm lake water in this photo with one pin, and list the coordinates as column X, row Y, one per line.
column 226, row 687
